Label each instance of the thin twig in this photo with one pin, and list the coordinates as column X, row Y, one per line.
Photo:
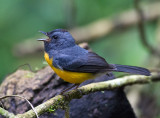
column 2, row 104
column 67, row 108
column 28, row 65
column 22, row 98
column 141, row 28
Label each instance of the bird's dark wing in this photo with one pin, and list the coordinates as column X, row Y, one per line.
column 90, row 63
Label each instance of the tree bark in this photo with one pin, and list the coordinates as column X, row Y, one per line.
column 45, row 84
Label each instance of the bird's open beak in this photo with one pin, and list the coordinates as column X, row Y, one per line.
column 45, row 33
column 41, row 39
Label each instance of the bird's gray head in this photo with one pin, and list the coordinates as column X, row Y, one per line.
column 58, row 39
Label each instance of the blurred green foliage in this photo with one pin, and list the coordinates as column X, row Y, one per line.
column 22, row 19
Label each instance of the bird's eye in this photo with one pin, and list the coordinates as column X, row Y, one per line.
column 55, row 36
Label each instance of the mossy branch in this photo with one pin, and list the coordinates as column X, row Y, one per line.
column 60, row 100
column 6, row 114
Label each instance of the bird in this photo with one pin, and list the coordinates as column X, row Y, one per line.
column 74, row 64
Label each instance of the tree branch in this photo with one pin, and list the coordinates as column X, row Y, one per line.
column 21, row 98
column 6, row 114
column 60, row 100
column 105, row 26
column 96, row 29
column 141, row 28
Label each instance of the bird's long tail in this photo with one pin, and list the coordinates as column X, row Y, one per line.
column 131, row 69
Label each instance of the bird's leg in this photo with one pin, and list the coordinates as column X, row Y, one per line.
column 74, row 85
column 109, row 74
column 77, row 85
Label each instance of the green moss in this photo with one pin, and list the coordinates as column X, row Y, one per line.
column 58, row 104
column 51, row 109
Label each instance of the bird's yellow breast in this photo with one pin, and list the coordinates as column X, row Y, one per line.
column 72, row 77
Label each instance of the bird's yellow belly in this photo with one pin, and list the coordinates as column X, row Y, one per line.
column 71, row 77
